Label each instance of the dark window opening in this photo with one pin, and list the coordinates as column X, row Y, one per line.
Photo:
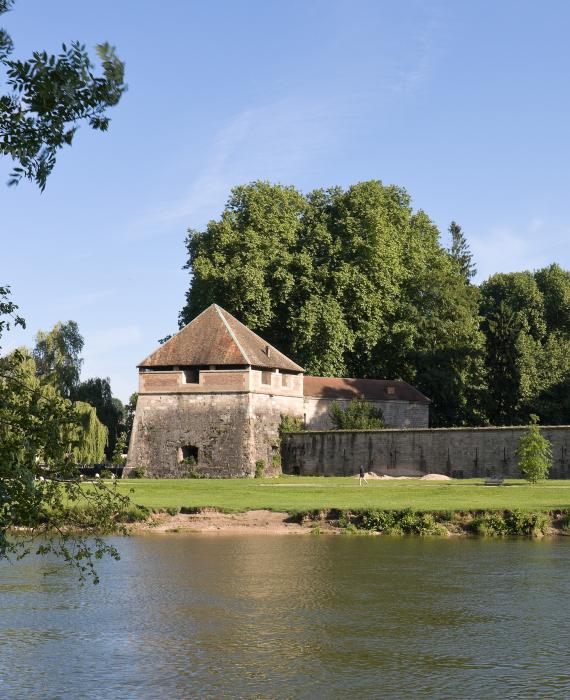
column 189, row 454
column 457, row 474
column 191, row 376
column 266, row 377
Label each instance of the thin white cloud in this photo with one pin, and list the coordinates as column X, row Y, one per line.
column 274, row 141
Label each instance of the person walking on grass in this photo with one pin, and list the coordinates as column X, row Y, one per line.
column 362, row 476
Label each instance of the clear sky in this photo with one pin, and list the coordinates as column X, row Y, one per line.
column 466, row 104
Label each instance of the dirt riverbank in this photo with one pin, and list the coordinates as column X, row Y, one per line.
column 253, row 522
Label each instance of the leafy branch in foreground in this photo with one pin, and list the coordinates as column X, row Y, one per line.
column 44, row 504
column 48, row 97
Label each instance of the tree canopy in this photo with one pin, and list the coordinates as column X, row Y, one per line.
column 58, row 356
column 42, row 437
column 348, row 283
column 96, row 391
column 42, row 433
column 356, row 283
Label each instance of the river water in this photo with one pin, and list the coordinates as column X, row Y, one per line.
column 285, row 616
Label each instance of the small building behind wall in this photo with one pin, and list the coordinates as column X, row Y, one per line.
column 401, row 404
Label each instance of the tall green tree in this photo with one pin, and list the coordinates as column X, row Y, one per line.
column 48, row 97
column 110, row 411
column 348, row 283
column 39, row 479
column 58, row 357
column 460, row 252
column 512, row 308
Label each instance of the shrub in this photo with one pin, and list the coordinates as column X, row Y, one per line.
column 193, row 474
column 191, row 461
column 534, row 453
column 379, row 520
column 173, row 510
column 564, row 523
column 360, row 414
column 531, row 524
column 259, row 468
column 413, row 523
column 514, row 522
column 133, row 514
column 290, row 424
column 137, row 473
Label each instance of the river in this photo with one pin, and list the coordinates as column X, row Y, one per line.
column 287, row 616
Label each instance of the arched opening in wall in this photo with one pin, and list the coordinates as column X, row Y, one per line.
column 188, row 454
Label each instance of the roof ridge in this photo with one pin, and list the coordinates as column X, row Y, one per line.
column 232, row 334
column 174, row 336
column 257, row 336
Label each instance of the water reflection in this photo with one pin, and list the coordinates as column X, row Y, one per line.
column 201, row 616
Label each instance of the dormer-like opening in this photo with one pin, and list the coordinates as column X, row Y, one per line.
column 391, row 390
column 192, row 376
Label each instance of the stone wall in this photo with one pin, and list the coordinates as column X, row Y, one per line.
column 231, row 432
column 458, row 452
column 266, row 412
column 397, row 414
column 218, row 425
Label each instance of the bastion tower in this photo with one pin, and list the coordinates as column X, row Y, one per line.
column 211, row 400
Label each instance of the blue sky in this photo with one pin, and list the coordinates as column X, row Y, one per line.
column 466, row 104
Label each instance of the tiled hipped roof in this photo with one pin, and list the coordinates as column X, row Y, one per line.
column 215, row 337
column 372, row 389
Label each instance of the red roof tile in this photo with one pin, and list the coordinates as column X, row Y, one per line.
column 215, row 337
column 373, row 389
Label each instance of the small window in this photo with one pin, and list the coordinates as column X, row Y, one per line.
column 285, row 380
column 191, row 376
column 390, row 390
column 189, row 454
column 266, row 377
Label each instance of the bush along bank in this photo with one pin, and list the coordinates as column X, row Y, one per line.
column 506, row 523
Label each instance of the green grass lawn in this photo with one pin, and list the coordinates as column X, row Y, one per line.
column 293, row 494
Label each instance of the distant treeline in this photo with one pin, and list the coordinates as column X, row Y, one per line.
column 355, row 283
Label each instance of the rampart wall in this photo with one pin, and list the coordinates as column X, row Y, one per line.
column 457, row 452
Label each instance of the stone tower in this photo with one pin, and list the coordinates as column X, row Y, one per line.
column 211, row 400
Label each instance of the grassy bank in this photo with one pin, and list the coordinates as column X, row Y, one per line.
column 304, row 494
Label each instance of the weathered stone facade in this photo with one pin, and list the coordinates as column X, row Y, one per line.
column 211, row 400
column 456, row 452
column 229, row 417
column 397, row 414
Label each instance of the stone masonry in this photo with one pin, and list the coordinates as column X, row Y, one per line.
column 456, row 452
column 211, row 400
